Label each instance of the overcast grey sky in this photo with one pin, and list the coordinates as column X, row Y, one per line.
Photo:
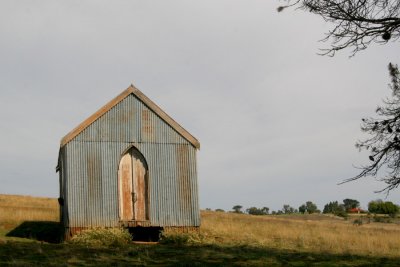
column 277, row 123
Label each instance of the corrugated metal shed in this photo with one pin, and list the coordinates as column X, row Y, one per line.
column 89, row 161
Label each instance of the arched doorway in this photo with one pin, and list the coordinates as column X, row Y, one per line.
column 133, row 186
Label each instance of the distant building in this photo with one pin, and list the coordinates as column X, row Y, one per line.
column 355, row 210
column 129, row 165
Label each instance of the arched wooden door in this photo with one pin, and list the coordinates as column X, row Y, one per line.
column 133, row 187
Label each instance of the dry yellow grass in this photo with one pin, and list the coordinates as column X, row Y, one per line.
column 321, row 234
column 15, row 209
column 317, row 234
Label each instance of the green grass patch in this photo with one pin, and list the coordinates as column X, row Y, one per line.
column 103, row 237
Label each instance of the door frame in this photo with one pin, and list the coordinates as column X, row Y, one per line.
column 147, row 187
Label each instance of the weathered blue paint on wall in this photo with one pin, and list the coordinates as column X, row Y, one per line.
column 89, row 168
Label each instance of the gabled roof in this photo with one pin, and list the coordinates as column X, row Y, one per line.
column 156, row 109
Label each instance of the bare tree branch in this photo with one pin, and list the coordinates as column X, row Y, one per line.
column 384, row 143
column 357, row 23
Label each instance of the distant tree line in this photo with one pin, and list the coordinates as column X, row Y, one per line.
column 334, row 207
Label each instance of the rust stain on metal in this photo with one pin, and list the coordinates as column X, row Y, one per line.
column 184, row 187
column 147, row 128
column 91, row 166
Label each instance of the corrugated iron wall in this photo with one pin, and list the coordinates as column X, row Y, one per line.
column 90, row 169
column 131, row 121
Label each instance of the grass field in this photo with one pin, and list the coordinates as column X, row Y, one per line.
column 14, row 209
column 225, row 239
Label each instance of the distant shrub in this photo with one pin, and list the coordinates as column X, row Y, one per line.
column 219, row 210
column 358, row 222
column 309, row 207
column 333, row 207
column 287, row 209
column 257, row 211
column 380, row 219
column 382, row 207
column 341, row 213
column 237, row 209
column 103, row 237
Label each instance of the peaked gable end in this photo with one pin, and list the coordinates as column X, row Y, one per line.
column 150, row 106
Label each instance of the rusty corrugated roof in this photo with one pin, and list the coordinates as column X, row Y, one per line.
column 131, row 90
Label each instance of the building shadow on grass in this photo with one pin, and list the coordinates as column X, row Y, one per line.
column 51, row 232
